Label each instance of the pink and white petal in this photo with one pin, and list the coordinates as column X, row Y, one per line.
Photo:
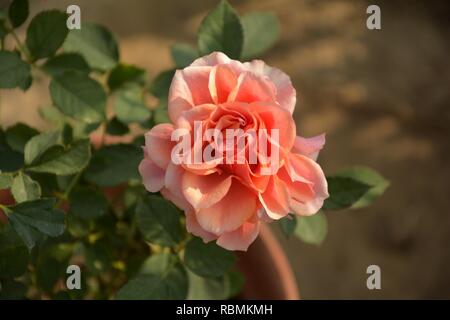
column 286, row 94
column 238, row 206
column 309, row 147
column 172, row 190
column 180, row 97
column 241, row 238
column 158, row 144
column 199, row 113
column 204, row 191
column 197, row 80
column 212, row 59
column 222, row 80
column 251, row 88
column 152, row 175
column 276, row 199
column 193, row 227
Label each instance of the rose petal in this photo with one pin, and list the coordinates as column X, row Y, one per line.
column 309, row 147
column 251, row 88
column 158, row 144
column 222, row 80
column 193, row 227
column 275, row 199
column 229, row 213
column 241, row 238
column 204, row 191
column 152, row 175
column 285, row 92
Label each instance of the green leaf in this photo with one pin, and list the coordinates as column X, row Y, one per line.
column 25, row 189
column 159, row 221
column 98, row 258
column 13, row 71
column 312, row 229
column 221, row 30
column 13, row 253
column 10, row 160
column 96, row 44
column 161, row 84
column 344, row 192
column 124, row 73
column 88, row 204
column 32, row 219
column 367, row 176
column 162, row 277
column 129, row 105
column 46, row 33
column 12, row 290
column 116, row 128
column 207, row 259
column 18, row 12
column 6, row 180
column 62, row 161
column 201, row 288
column 65, row 62
column 78, row 96
column 3, row 31
column 18, row 135
column 48, row 271
column 183, row 54
column 114, row 164
column 288, row 225
column 39, row 144
column 261, row 31
column 52, row 115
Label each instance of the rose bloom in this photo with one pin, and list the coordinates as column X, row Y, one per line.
column 228, row 202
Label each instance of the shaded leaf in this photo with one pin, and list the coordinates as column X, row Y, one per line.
column 183, row 54
column 18, row 135
column 13, row 253
column 312, row 229
column 124, row 73
column 221, row 30
column 65, row 62
column 288, row 225
column 39, row 144
column 207, row 259
column 261, row 31
column 116, row 128
column 25, row 189
column 159, row 221
column 344, row 192
column 46, row 33
column 88, row 204
column 96, row 44
column 13, row 70
column 18, row 12
column 129, row 105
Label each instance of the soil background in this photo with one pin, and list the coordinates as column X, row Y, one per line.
column 381, row 96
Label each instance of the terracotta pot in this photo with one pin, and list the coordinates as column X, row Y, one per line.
column 268, row 274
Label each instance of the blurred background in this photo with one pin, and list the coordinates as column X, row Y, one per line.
column 381, row 96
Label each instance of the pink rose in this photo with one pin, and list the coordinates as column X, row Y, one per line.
column 222, row 201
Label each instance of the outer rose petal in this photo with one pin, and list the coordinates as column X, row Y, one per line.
column 158, row 145
column 309, row 147
column 222, row 80
column 286, row 94
column 252, row 88
column 275, row 199
column 172, row 190
column 180, row 97
column 306, row 183
column 204, row 191
column 241, row 238
column 152, row 175
column 231, row 212
column 212, row 59
column 193, row 227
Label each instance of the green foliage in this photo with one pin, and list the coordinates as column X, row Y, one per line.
column 96, row 44
column 116, row 127
column 312, row 229
column 207, row 259
column 18, row 135
column 46, row 34
column 261, row 31
column 367, row 176
column 344, row 192
column 129, row 105
column 221, row 30
column 161, row 278
column 78, row 96
column 18, row 12
column 114, row 164
column 288, row 225
column 65, row 62
column 13, row 253
column 25, row 189
column 6, row 180
column 32, row 219
column 13, row 70
column 88, row 204
column 123, row 74
column 159, row 221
